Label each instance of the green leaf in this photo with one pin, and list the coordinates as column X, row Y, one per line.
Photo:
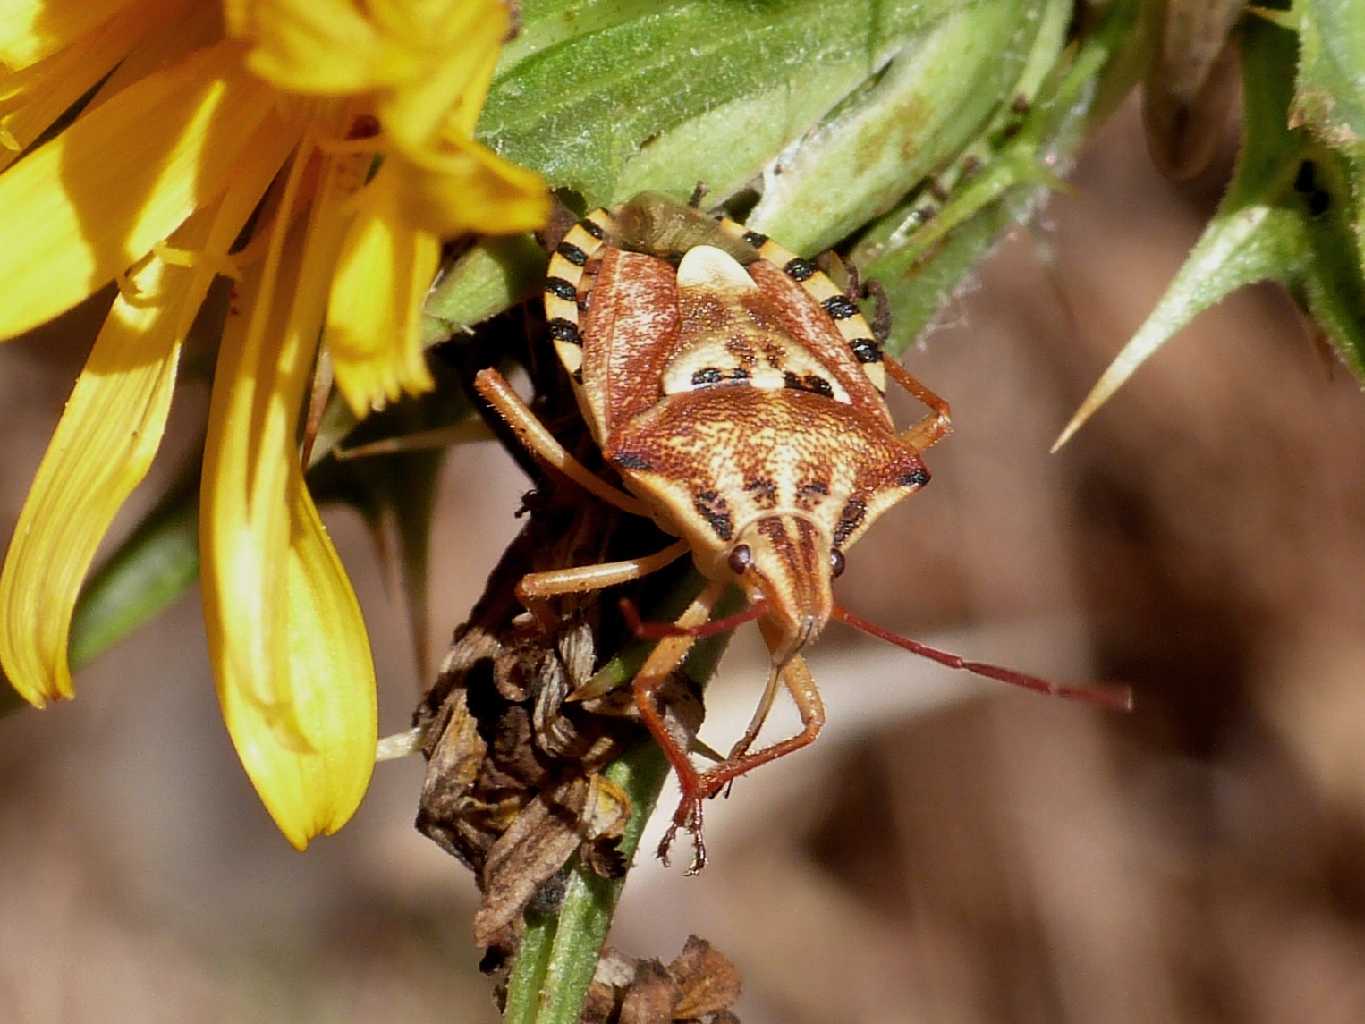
column 1331, row 283
column 1238, row 248
column 526, row 981
column 934, row 97
column 144, row 576
column 493, row 275
column 547, row 22
column 921, row 251
column 612, row 99
column 707, row 90
column 1290, row 216
column 1330, row 93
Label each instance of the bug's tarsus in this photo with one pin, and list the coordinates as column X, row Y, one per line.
column 662, row 661
column 698, row 194
column 692, row 823
column 855, row 289
column 1115, row 696
column 561, row 222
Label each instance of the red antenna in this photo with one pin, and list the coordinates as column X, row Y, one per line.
column 1116, row 696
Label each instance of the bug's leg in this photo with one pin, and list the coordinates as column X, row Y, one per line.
column 936, row 425
column 799, row 683
column 765, row 705
column 531, row 432
column 536, row 588
column 666, row 657
column 760, row 715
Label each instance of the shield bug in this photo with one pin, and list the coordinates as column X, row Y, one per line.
column 739, row 394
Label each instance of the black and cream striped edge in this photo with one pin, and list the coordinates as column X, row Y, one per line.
column 562, row 289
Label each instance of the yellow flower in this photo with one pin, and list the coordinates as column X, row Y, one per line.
column 205, row 121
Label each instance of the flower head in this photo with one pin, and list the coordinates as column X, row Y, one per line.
column 338, row 134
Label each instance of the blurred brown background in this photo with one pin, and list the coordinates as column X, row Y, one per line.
column 948, row 851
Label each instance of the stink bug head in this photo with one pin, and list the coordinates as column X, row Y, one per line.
column 787, row 562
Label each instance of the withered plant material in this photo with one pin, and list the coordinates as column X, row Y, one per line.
column 502, row 747
column 650, row 997
column 512, row 787
column 584, row 811
column 707, row 981
column 698, row 987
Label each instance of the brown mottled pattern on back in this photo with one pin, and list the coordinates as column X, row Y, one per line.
column 632, row 315
column 790, row 308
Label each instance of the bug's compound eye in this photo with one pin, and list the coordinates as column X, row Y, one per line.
column 740, row 559
column 836, row 563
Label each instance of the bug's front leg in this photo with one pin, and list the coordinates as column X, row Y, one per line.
column 697, row 787
column 760, row 715
column 539, row 441
column 801, row 685
column 666, row 657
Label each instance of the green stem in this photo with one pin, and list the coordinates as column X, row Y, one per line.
column 528, row 973
column 590, row 900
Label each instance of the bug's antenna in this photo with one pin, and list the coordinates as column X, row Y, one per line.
column 659, row 630
column 1116, row 696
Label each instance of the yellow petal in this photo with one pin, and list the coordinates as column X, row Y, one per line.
column 81, row 208
column 311, row 46
column 186, row 26
column 108, row 434
column 454, row 70
column 385, row 269
column 468, row 187
column 33, row 29
column 288, row 646
column 426, row 63
column 36, row 96
column 312, row 787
